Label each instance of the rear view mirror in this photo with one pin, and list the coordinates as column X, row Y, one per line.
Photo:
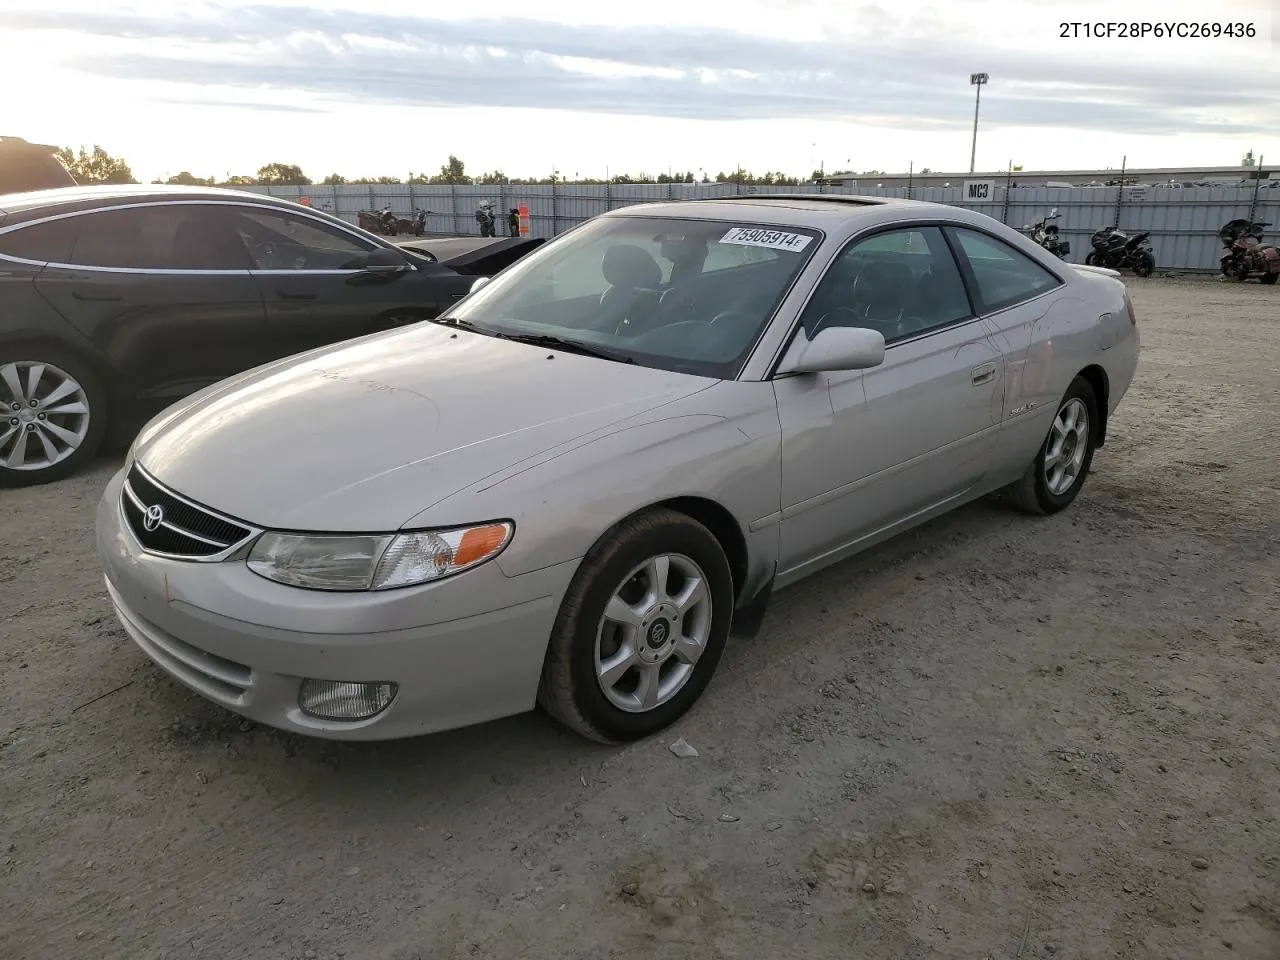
column 834, row 349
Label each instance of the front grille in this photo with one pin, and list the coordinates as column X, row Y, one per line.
column 179, row 528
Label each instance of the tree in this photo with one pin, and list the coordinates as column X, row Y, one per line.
column 455, row 171
column 240, row 180
column 333, row 180
column 188, row 179
column 96, row 167
column 495, row 178
column 925, row 171
column 283, row 174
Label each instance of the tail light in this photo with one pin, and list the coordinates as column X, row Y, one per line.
column 1128, row 305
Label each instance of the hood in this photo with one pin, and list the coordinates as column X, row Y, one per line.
column 361, row 436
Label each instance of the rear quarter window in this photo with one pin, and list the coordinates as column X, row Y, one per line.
column 48, row 242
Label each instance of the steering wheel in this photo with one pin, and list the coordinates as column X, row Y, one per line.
column 264, row 251
column 839, row 317
column 674, row 336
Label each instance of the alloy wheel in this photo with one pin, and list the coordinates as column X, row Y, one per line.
column 655, row 627
column 1067, row 446
column 44, row 415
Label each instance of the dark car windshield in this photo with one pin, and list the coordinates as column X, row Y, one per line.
column 685, row 295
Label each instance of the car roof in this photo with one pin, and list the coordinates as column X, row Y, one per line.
column 27, row 206
column 829, row 212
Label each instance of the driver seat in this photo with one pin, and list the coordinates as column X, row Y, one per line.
column 630, row 301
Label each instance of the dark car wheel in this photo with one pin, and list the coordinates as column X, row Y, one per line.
column 1057, row 474
column 640, row 630
column 54, row 412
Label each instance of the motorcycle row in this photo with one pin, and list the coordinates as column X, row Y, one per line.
column 1244, row 256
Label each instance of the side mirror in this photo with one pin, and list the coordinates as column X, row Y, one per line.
column 1053, row 212
column 833, row 349
column 479, row 282
column 384, row 263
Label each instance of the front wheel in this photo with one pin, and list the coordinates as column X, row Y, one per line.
column 640, row 630
column 1091, row 259
column 1269, row 278
column 1055, row 477
column 53, row 415
column 1143, row 264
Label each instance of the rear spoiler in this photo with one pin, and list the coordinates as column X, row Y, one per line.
column 1099, row 271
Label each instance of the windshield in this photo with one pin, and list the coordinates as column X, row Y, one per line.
column 691, row 296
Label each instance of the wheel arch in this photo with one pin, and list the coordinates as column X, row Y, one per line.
column 718, row 520
column 100, row 367
column 1096, row 377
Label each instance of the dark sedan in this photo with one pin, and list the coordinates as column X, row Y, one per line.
column 117, row 301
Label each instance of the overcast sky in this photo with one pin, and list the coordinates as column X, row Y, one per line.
column 388, row 87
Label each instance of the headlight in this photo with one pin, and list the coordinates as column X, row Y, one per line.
column 375, row 561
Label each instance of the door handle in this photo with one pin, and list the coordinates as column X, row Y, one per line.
column 983, row 374
column 95, row 297
column 293, row 295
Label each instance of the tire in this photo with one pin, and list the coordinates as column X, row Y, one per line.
column 1091, row 259
column 1269, row 278
column 78, row 388
column 1240, row 271
column 1144, row 264
column 1034, row 492
column 571, row 689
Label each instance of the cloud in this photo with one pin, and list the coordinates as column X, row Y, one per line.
column 879, row 76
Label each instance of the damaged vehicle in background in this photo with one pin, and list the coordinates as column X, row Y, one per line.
column 117, row 301
column 570, row 488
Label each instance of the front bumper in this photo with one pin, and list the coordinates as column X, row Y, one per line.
column 462, row 651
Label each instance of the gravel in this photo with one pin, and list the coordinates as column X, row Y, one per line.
column 994, row 735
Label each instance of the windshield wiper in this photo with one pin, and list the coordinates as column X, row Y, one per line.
column 451, row 321
column 568, row 346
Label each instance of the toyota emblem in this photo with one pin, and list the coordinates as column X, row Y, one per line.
column 153, row 517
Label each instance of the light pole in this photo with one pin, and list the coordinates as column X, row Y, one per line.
column 976, row 80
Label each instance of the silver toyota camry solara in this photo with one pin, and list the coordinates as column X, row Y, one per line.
column 574, row 487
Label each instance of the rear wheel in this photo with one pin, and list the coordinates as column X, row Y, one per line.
column 1091, row 259
column 53, row 414
column 1240, row 271
column 1144, row 264
column 1269, row 278
column 1055, row 477
column 640, row 630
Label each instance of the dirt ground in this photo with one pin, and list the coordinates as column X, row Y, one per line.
column 996, row 737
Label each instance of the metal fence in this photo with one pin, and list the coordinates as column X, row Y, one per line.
column 1183, row 222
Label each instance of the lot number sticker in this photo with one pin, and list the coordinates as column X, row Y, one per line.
column 773, row 239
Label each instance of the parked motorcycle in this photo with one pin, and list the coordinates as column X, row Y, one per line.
column 1246, row 254
column 1114, row 248
column 387, row 223
column 1045, row 233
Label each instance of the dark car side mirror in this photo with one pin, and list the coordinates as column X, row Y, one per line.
column 382, row 263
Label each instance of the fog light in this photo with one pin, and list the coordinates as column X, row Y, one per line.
column 341, row 700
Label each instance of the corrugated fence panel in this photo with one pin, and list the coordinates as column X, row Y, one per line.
column 1183, row 223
